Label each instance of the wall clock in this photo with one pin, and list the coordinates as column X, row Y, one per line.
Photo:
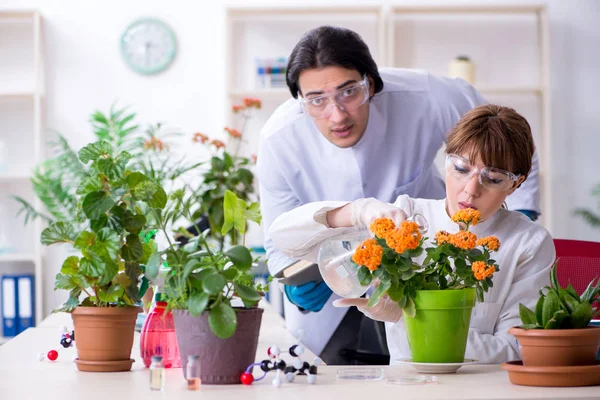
column 148, row 46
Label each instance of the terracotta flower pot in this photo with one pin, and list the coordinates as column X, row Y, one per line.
column 558, row 347
column 222, row 361
column 104, row 337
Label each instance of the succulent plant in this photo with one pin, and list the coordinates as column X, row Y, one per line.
column 561, row 308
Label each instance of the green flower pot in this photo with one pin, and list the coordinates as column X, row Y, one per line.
column 438, row 332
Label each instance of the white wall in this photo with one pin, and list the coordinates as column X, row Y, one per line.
column 85, row 72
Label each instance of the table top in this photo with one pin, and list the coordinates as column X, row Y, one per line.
column 22, row 376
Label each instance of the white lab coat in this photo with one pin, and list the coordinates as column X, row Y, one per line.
column 408, row 123
column 525, row 257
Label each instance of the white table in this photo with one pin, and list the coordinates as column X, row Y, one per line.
column 23, row 377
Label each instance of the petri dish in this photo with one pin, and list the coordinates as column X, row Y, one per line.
column 360, row 374
column 412, row 380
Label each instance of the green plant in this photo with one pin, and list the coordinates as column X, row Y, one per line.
column 227, row 170
column 590, row 217
column 56, row 179
column 112, row 206
column 453, row 263
column 200, row 279
column 561, row 308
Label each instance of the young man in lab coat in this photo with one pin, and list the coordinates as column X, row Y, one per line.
column 354, row 131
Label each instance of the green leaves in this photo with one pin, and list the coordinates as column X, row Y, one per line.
column 222, row 320
column 240, row 256
column 213, row 284
column 153, row 265
column 236, row 211
column 527, row 316
column 96, row 204
column 197, row 303
column 95, row 151
column 58, row 232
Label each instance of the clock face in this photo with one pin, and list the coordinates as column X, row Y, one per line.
column 148, row 46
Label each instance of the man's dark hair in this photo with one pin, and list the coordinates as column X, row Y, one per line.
column 330, row 46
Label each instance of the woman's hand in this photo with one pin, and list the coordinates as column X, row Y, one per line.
column 386, row 310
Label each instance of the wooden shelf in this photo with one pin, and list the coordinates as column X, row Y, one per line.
column 17, row 257
column 262, row 94
column 466, row 9
column 16, row 93
column 14, row 177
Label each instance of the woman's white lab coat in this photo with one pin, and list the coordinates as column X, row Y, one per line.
column 525, row 257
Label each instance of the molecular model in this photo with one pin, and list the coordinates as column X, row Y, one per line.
column 275, row 363
column 66, row 341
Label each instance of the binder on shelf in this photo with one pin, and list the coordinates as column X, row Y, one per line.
column 9, row 306
column 25, row 297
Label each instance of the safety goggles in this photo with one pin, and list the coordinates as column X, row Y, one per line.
column 346, row 99
column 489, row 177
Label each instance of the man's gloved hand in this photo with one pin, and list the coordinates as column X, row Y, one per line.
column 530, row 213
column 311, row 296
column 386, row 310
column 365, row 211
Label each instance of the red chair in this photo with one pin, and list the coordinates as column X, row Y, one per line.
column 578, row 263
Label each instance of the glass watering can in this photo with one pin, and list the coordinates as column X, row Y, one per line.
column 335, row 260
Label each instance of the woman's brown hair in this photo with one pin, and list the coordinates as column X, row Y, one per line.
column 500, row 136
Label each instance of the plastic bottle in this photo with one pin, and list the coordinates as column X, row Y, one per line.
column 158, row 337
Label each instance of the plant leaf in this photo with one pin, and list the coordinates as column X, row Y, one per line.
column 240, row 256
column 213, row 284
column 70, row 266
column 96, row 204
column 527, row 316
column 58, row 232
column 222, row 320
column 132, row 250
column 247, row 293
column 197, row 303
column 95, row 151
column 410, row 308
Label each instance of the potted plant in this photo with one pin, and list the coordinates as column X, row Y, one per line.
column 558, row 333
column 201, row 285
column 113, row 206
column 438, row 292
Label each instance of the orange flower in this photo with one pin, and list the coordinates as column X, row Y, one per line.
column 463, row 240
column 469, row 216
column 155, row 143
column 200, row 138
column 381, row 227
column 252, row 103
column 217, row 143
column 237, row 108
column 490, row 242
column 409, row 227
column 369, row 254
column 400, row 240
column 441, row 237
column 481, row 270
column 254, row 158
column 234, row 133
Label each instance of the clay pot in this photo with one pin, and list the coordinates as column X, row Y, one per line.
column 222, row 361
column 104, row 337
column 558, row 347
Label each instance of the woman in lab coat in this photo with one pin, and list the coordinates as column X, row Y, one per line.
column 489, row 155
column 353, row 131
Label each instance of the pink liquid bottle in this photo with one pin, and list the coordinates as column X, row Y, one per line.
column 158, row 336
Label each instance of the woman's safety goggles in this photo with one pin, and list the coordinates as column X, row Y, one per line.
column 489, row 177
column 346, row 99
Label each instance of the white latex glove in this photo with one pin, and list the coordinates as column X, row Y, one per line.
column 365, row 211
column 386, row 310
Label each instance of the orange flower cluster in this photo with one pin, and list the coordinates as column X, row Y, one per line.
column 468, row 216
column 442, row 237
column 234, row 133
column 407, row 237
column 381, row 227
column 369, row 254
column 490, row 242
column 237, row 108
column 217, row 143
column 463, row 240
column 155, row 143
column 200, row 138
column 254, row 158
column 252, row 103
column 481, row 270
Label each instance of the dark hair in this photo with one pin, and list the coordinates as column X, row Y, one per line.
column 328, row 46
column 500, row 136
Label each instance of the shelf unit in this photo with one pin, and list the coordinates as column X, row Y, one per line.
column 21, row 125
column 420, row 37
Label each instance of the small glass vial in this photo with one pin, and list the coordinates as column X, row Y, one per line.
column 157, row 374
column 193, row 373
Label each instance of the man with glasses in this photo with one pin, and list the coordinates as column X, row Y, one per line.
column 353, row 131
